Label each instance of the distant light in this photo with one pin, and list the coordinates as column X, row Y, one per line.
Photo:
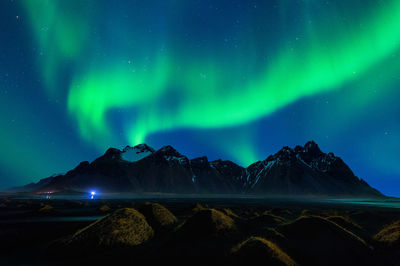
column 92, row 193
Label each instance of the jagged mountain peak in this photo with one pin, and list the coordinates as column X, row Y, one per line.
column 171, row 156
column 311, row 145
column 168, row 150
column 308, row 153
column 311, row 148
column 286, row 154
column 112, row 152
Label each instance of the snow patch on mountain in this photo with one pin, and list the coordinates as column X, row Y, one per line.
column 134, row 154
column 266, row 168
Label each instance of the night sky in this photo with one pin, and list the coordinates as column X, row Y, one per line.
column 229, row 79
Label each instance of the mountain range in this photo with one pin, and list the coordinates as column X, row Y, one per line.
column 302, row 171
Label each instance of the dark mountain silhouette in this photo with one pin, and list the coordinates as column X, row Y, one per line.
column 32, row 186
column 300, row 171
column 305, row 170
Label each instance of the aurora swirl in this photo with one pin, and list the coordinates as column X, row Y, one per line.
column 224, row 73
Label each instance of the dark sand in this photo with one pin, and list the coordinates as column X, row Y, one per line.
column 238, row 231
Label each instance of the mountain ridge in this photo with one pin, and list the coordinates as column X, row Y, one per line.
column 303, row 170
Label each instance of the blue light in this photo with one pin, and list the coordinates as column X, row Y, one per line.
column 92, row 193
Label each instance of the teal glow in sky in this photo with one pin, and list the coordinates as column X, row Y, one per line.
column 229, row 79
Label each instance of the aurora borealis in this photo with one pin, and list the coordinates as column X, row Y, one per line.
column 229, row 79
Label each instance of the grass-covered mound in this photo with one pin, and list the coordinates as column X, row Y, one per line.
column 347, row 223
column 370, row 220
column 317, row 241
column 389, row 235
column 104, row 208
column 206, row 237
column 197, row 207
column 266, row 219
column 259, row 251
column 388, row 244
column 123, row 228
column 281, row 212
column 45, row 210
column 307, row 212
column 159, row 217
column 229, row 212
column 208, row 222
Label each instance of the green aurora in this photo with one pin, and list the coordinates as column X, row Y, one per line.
column 210, row 91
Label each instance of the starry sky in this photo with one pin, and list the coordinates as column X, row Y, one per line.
column 229, row 79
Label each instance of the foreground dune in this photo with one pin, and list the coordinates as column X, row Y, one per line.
column 259, row 251
column 124, row 227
